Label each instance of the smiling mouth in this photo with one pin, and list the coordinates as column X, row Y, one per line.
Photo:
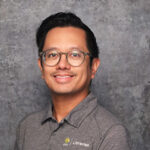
column 63, row 75
column 63, row 78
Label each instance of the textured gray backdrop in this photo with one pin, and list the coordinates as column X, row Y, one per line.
column 122, row 28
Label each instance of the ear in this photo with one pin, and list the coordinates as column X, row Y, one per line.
column 94, row 67
column 40, row 66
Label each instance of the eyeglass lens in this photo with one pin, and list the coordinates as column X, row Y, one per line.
column 74, row 57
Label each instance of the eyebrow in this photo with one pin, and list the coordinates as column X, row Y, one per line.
column 71, row 48
column 52, row 48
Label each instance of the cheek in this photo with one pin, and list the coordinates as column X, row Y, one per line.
column 85, row 74
column 46, row 73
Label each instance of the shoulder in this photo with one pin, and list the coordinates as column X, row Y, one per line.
column 33, row 119
column 105, row 116
column 104, row 119
column 110, row 130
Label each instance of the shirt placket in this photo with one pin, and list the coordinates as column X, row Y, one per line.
column 55, row 141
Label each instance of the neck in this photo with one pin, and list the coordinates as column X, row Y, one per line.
column 64, row 103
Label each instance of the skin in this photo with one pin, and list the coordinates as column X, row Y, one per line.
column 68, row 85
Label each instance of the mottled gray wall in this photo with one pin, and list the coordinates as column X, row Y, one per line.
column 122, row 28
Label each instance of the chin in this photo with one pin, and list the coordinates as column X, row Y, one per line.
column 61, row 91
column 68, row 91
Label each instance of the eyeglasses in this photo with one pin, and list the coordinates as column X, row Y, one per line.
column 74, row 57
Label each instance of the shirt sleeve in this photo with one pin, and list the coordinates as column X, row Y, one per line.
column 20, row 134
column 16, row 146
column 17, row 140
column 115, row 139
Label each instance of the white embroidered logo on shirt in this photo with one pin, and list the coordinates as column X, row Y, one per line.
column 68, row 142
column 81, row 144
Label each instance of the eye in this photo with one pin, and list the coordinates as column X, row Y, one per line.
column 75, row 54
column 52, row 55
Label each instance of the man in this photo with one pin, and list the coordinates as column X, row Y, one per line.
column 68, row 60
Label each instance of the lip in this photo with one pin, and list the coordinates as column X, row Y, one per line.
column 63, row 78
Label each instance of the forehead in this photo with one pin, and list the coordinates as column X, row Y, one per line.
column 65, row 37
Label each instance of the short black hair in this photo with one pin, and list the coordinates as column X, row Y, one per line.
column 64, row 19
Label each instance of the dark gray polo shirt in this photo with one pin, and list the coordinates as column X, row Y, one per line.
column 88, row 127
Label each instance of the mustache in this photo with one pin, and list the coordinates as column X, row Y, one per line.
column 63, row 72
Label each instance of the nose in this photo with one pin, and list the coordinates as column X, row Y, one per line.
column 63, row 63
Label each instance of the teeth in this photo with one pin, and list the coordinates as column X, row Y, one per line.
column 62, row 76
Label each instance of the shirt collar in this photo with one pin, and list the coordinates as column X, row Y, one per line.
column 78, row 114
column 47, row 114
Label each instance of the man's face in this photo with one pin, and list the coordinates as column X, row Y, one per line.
column 64, row 78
